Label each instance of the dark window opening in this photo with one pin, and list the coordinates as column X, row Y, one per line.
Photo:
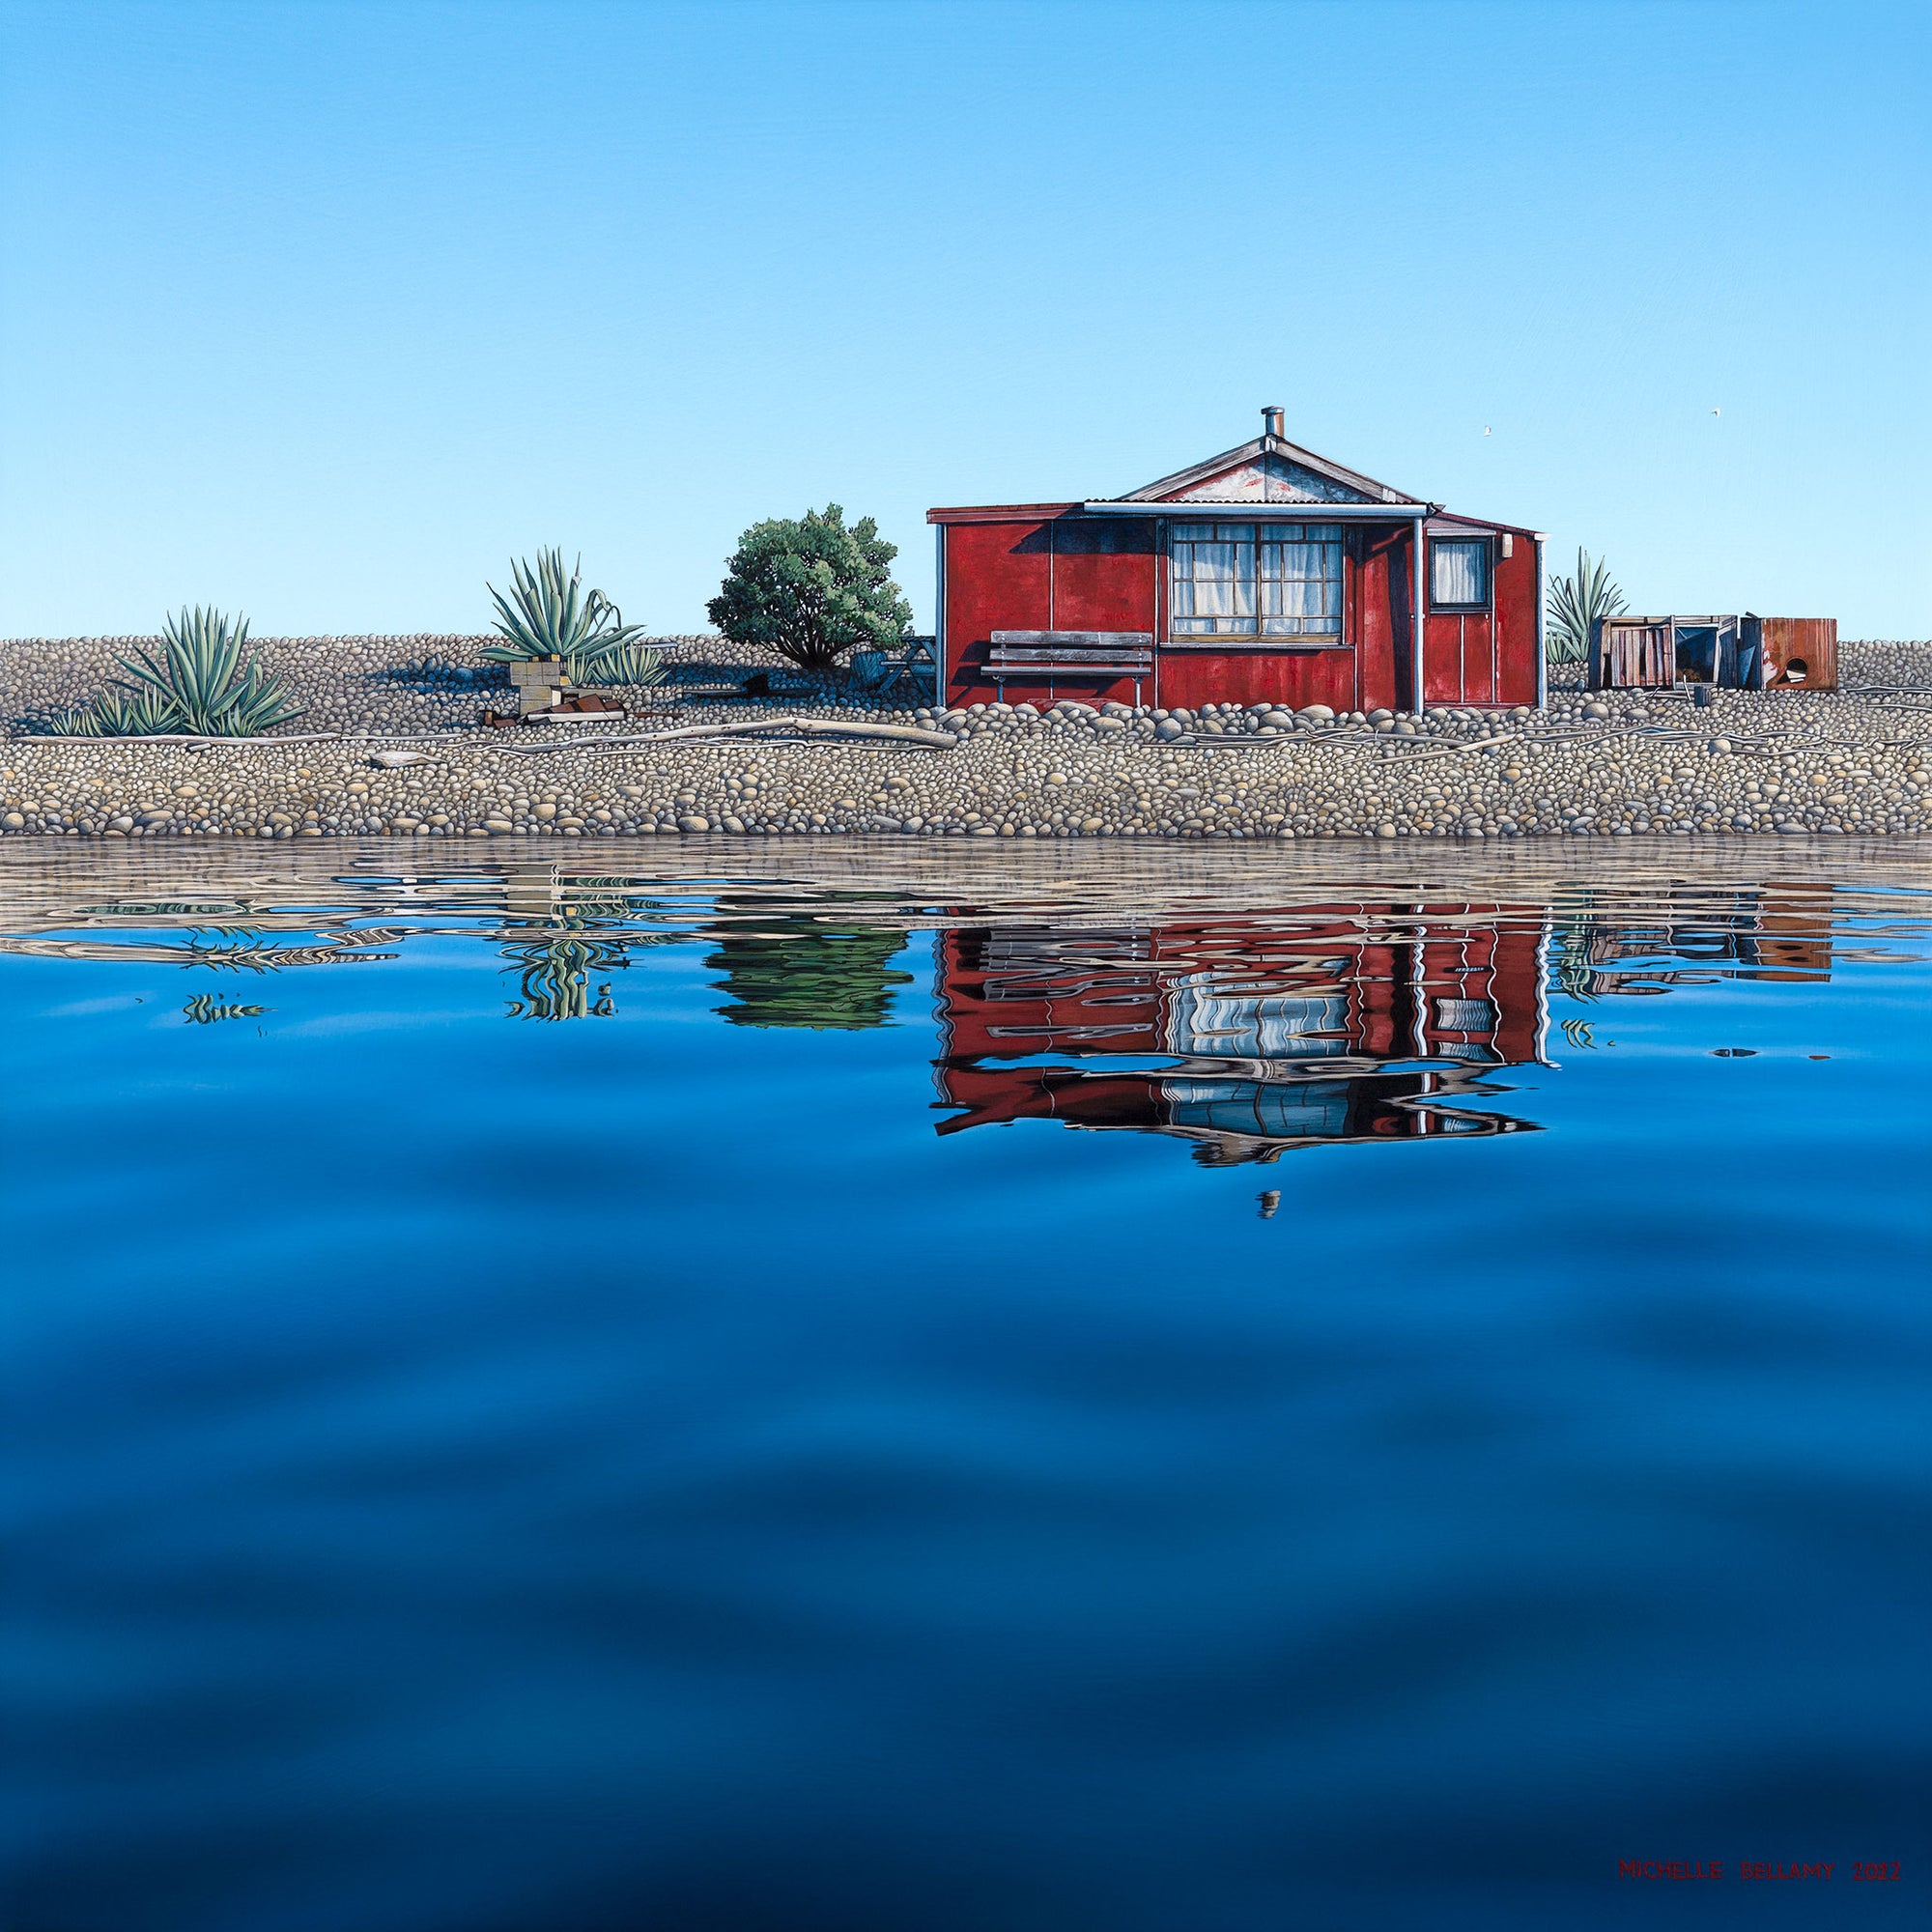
column 1697, row 653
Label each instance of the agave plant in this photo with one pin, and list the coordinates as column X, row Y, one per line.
column 118, row 712
column 1575, row 602
column 627, row 664
column 200, row 684
column 121, row 711
column 550, row 614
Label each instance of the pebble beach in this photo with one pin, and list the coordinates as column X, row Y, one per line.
column 391, row 743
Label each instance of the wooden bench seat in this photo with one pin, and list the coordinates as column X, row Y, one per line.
column 1068, row 657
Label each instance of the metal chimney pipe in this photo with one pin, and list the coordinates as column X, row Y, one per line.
column 1273, row 421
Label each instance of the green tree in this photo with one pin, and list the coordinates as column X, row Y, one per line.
column 811, row 590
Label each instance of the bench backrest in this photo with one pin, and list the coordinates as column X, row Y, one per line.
column 1073, row 650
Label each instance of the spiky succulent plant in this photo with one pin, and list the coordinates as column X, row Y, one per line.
column 1575, row 602
column 547, row 614
column 200, row 683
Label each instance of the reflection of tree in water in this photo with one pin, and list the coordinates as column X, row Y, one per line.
column 794, row 971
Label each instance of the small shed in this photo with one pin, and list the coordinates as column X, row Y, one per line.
column 1739, row 653
column 1265, row 574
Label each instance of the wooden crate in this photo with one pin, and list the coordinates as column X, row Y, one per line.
column 1798, row 653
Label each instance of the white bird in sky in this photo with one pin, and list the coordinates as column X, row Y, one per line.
column 1716, row 413
column 1485, row 429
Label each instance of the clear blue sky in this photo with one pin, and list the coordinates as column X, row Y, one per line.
column 321, row 310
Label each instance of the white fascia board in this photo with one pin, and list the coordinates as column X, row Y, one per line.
column 1270, row 513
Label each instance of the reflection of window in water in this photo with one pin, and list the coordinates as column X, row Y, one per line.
column 1272, row 1111
column 1258, row 1026
column 1466, row 1017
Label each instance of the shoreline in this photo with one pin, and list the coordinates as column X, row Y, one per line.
column 298, row 885
column 1604, row 765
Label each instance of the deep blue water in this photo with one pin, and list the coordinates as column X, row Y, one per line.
column 1328, row 1402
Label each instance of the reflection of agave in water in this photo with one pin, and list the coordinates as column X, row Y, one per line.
column 1570, row 969
column 201, row 909
column 554, row 972
column 204, row 1010
column 234, row 949
column 616, row 902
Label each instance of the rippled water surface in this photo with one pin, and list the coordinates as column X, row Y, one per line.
column 1228, row 1391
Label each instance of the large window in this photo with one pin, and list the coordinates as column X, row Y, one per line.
column 1459, row 573
column 1255, row 581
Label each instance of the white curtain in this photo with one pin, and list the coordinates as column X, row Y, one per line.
column 1462, row 571
column 1214, row 575
column 1301, row 586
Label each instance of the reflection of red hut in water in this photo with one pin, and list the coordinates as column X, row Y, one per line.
column 1260, row 1038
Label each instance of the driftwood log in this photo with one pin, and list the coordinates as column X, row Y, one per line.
column 197, row 738
column 811, row 727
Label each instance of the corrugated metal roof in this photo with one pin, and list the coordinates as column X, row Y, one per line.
column 1364, row 488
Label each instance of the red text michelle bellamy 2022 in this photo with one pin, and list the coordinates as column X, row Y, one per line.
column 1758, row 1870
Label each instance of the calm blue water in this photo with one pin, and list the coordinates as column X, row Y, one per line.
column 1227, row 1401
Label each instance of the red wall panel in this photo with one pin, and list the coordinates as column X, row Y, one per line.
column 1073, row 573
column 1105, row 574
column 1371, row 619
column 1288, row 678
column 1053, row 574
column 1519, row 598
column 1456, row 658
column 997, row 577
column 1488, row 657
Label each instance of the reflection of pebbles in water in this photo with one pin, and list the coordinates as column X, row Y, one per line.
column 44, row 883
column 1246, row 1004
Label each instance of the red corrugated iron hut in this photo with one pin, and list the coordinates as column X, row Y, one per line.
column 1264, row 574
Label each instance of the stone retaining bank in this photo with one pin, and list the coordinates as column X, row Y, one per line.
column 432, row 681
column 1614, row 765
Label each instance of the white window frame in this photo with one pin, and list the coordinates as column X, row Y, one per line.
column 1487, row 547
column 1257, row 566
